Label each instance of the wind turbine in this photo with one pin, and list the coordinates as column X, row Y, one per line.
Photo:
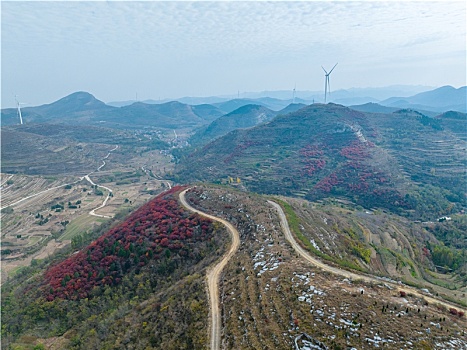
column 18, row 106
column 294, row 93
column 327, row 84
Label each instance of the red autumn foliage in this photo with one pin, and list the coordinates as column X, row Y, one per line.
column 158, row 225
column 313, row 163
column 311, row 151
column 356, row 151
column 327, row 183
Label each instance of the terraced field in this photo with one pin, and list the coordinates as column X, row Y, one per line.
column 429, row 155
column 35, row 154
column 40, row 211
column 33, row 225
column 35, row 212
column 78, row 224
column 403, row 162
column 23, row 186
column 425, row 152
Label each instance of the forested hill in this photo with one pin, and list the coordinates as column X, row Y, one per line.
column 241, row 118
column 153, row 232
column 375, row 160
column 153, row 260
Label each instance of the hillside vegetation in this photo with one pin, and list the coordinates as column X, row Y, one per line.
column 140, row 283
column 243, row 117
column 103, row 297
column 270, row 295
column 381, row 193
column 378, row 243
column 405, row 162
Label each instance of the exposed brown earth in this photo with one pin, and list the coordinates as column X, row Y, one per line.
column 269, row 294
column 213, row 275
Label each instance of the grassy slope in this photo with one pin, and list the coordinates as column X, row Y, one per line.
column 376, row 242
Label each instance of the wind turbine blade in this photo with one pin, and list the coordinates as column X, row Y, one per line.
column 324, row 70
column 18, row 107
column 329, row 85
column 20, row 115
column 333, row 68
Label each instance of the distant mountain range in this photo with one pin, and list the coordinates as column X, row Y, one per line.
column 84, row 108
column 439, row 100
column 342, row 96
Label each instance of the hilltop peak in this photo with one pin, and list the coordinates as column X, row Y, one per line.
column 249, row 108
column 243, row 117
column 80, row 99
column 80, row 95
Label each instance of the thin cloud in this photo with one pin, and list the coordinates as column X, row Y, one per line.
column 161, row 40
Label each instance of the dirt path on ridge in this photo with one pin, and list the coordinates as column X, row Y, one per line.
column 213, row 274
column 350, row 275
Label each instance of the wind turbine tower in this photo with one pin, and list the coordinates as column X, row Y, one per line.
column 293, row 100
column 327, row 84
column 18, row 106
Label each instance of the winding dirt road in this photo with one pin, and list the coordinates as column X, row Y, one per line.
column 86, row 177
column 354, row 276
column 213, row 274
column 104, row 203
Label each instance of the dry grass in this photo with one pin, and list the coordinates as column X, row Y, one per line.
column 269, row 295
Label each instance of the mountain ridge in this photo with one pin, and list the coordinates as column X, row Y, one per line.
column 440, row 99
column 243, row 117
column 322, row 150
column 83, row 107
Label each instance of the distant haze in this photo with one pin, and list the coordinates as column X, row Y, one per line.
column 151, row 50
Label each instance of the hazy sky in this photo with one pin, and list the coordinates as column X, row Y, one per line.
column 172, row 49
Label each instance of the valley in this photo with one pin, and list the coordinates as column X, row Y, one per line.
column 177, row 175
column 43, row 213
column 303, row 226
